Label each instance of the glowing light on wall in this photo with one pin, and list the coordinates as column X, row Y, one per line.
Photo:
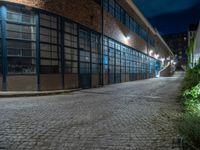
column 128, row 37
column 150, row 52
column 162, row 59
column 156, row 56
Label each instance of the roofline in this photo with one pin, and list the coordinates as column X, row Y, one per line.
column 146, row 22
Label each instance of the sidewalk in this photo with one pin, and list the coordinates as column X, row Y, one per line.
column 34, row 93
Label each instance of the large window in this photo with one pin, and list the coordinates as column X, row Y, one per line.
column 120, row 14
column 111, row 56
column 21, row 41
column 95, row 49
column 123, row 59
column 70, row 48
column 106, row 5
column 112, row 7
column 105, row 57
column 84, row 45
column 118, row 58
column 0, row 46
column 117, row 11
column 49, row 44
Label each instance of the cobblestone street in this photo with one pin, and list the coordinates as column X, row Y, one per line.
column 135, row 115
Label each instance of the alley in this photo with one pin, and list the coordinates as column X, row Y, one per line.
column 133, row 115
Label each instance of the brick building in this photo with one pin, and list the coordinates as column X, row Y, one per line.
column 59, row 44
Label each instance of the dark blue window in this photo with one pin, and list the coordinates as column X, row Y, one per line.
column 112, row 7
column 70, row 48
column 132, row 25
column 127, row 20
column 123, row 16
column 95, row 49
column 49, row 44
column 105, row 57
column 106, row 5
column 21, row 41
column 0, row 45
column 117, row 11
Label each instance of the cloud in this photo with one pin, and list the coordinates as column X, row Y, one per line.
column 152, row 8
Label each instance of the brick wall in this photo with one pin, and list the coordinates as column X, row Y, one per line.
column 88, row 13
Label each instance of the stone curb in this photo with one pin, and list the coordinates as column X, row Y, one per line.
column 35, row 93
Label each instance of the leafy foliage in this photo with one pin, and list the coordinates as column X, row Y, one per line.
column 192, row 78
column 189, row 124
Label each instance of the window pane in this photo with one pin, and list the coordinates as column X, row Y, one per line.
column 70, row 50
column 49, row 44
column 21, row 37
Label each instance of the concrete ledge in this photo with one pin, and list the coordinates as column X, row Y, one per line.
column 35, row 93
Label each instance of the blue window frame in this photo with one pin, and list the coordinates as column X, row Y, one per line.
column 117, row 11
column 120, row 14
column 112, row 7
column 123, row 16
column 49, row 44
column 106, row 5
column 85, row 50
column 118, row 58
column 105, row 57
column 133, row 25
column 123, row 59
column 21, row 41
column 70, row 48
column 127, row 20
column 0, row 44
column 95, row 50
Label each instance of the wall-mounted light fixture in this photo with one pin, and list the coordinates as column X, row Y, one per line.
column 162, row 59
column 150, row 52
column 156, row 56
column 168, row 58
column 128, row 37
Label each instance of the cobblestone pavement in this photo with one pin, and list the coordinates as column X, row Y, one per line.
column 135, row 115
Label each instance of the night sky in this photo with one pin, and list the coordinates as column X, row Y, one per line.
column 170, row 16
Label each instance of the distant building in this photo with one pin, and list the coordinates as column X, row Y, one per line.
column 178, row 43
column 196, row 51
column 192, row 29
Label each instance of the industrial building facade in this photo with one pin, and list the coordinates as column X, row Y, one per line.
column 52, row 45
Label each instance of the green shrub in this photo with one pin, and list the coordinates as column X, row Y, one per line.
column 189, row 127
column 189, row 124
column 192, row 100
column 192, row 78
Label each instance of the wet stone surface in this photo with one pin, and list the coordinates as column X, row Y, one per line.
column 135, row 115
